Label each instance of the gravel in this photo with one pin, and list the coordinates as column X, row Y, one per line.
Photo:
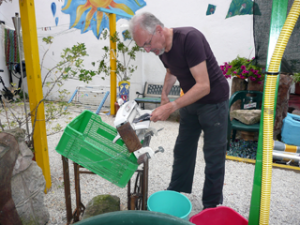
column 285, row 193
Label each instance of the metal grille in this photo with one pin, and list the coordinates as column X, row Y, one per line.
column 261, row 22
column 156, row 89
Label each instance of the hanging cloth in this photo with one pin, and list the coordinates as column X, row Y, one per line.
column 11, row 48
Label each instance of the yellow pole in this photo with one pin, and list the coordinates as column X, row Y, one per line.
column 113, row 64
column 33, row 71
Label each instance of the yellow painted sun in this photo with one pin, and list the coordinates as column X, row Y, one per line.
column 89, row 10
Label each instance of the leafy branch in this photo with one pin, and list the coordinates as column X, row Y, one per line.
column 124, row 55
column 70, row 66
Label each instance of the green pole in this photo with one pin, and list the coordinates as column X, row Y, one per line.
column 278, row 17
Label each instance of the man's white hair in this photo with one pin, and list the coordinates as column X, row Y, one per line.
column 147, row 21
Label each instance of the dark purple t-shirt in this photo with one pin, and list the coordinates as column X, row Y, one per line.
column 190, row 48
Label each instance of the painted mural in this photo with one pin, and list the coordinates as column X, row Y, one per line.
column 211, row 9
column 124, row 87
column 240, row 7
column 53, row 9
column 85, row 15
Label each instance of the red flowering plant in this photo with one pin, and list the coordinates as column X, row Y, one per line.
column 243, row 68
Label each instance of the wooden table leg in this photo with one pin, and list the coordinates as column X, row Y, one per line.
column 66, row 173
column 145, row 184
column 129, row 195
column 79, row 206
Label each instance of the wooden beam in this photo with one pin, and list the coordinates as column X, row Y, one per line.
column 113, row 64
column 34, row 80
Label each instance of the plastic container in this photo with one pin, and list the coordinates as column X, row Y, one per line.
column 221, row 215
column 133, row 217
column 88, row 141
column 170, row 202
column 291, row 129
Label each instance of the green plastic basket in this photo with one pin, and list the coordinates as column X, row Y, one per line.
column 88, row 141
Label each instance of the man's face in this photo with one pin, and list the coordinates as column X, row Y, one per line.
column 150, row 42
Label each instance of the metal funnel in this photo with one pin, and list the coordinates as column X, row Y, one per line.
column 17, row 23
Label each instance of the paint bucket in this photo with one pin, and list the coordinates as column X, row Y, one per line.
column 170, row 202
column 221, row 215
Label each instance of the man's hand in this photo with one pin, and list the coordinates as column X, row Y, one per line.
column 163, row 112
column 164, row 100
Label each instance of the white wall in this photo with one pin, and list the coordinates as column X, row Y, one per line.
column 227, row 37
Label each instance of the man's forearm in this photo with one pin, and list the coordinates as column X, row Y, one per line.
column 168, row 84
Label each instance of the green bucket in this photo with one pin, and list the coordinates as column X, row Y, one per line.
column 170, row 202
column 134, row 217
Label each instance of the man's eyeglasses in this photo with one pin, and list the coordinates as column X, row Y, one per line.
column 148, row 45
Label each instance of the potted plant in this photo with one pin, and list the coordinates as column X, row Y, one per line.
column 245, row 72
column 125, row 55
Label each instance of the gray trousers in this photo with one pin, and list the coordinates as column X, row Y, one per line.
column 212, row 119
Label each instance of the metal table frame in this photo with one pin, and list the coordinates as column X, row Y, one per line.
column 137, row 198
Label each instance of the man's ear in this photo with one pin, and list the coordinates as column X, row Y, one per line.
column 159, row 29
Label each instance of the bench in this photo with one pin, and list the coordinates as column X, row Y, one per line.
column 152, row 94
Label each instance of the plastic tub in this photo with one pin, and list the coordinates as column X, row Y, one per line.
column 291, row 129
column 170, row 202
column 221, row 215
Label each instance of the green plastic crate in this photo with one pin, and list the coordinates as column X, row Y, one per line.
column 88, row 141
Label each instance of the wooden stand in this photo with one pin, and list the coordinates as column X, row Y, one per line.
column 137, row 199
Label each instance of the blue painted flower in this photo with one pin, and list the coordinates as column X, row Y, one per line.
column 85, row 15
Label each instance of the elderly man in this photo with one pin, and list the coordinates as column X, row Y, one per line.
column 189, row 59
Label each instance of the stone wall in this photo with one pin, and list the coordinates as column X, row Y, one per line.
column 28, row 184
column 282, row 106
